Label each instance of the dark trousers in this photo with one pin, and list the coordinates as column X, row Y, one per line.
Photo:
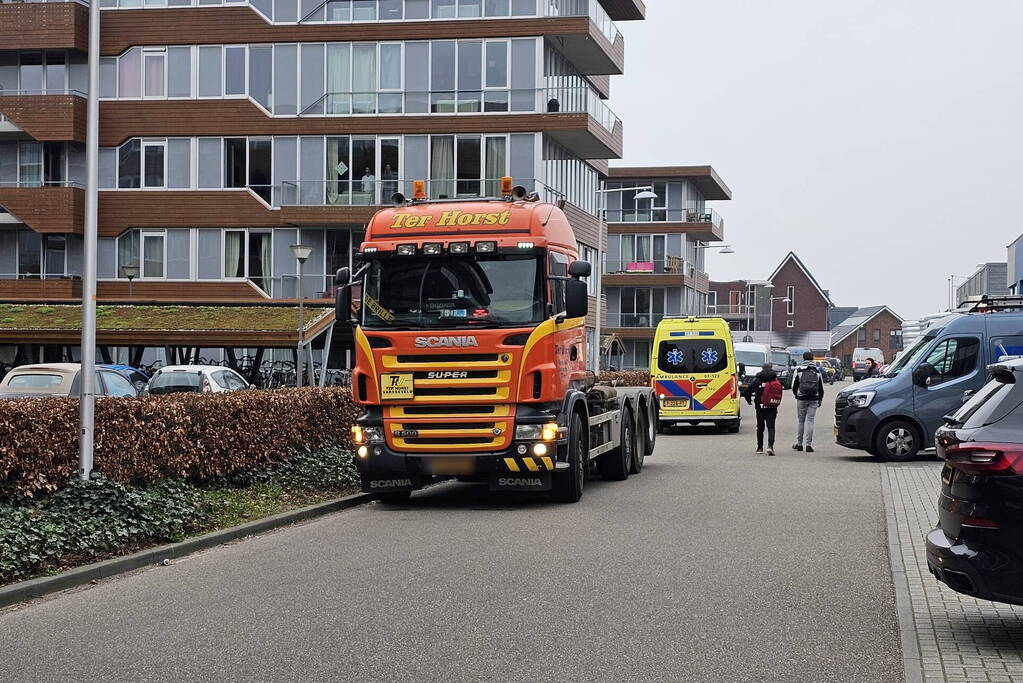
column 766, row 418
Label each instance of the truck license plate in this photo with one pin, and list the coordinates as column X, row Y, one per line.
column 682, row 403
column 395, row 387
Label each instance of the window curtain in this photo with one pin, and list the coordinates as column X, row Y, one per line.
column 339, row 78
column 442, row 167
column 496, row 163
column 233, row 241
column 127, row 251
column 364, row 79
column 266, row 262
column 332, row 172
column 152, row 247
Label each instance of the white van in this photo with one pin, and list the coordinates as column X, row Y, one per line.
column 859, row 360
column 750, row 358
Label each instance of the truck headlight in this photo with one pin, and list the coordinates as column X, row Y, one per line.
column 362, row 434
column 528, row 432
column 861, row 399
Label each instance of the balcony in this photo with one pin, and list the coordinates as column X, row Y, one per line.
column 34, row 25
column 372, row 194
column 46, row 207
column 120, row 210
column 625, row 10
column 733, row 311
column 670, row 272
column 15, row 287
column 703, row 224
column 633, row 325
column 598, row 51
column 44, row 115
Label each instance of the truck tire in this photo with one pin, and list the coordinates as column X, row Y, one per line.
column 897, row 441
column 640, row 450
column 568, row 485
column 615, row 465
column 394, row 497
column 652, row 429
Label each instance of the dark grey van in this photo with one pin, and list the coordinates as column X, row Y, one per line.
column 896, row 415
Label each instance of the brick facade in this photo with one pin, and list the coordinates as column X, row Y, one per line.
column 809, row 307
column 884, row 323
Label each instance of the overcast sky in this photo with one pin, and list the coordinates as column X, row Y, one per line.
column 881, row 140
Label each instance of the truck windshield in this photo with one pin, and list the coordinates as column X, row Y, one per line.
column 910, row 356
column 465, row 290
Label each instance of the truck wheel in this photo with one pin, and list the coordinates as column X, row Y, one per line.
column 897, row 441
column 616, row 464
column 568, row 486
column 640, row 449
column 651, row 431
column 394, row 497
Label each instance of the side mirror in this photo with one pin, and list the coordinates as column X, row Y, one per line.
column 922, row 374
column 579, row 269
column 343, row 303
column 343, row 276
column 577, row 301
column 968, row 394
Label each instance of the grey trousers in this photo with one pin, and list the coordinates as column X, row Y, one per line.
column 806, row 413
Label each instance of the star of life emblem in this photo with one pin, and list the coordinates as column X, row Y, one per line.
column 675, row 357
column 709, row 356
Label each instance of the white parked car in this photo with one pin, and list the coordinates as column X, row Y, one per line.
column 175, row 379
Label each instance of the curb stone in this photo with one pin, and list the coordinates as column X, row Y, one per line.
column 44, row 585
column 911, row 658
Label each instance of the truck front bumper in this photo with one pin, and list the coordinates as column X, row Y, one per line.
column 384, row 470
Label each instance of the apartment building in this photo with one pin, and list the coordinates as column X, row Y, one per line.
column 788, row 308
column 989, row 279
column 655, row 253
column 232, row 129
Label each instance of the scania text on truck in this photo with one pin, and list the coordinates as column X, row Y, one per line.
column 470, row 353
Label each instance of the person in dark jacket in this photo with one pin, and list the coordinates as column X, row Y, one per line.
column 871, row 366
column 766, row 415
column 808, row 387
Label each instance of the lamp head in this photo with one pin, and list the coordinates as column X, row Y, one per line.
column 301, row 251
column 131, row 272
column 646, row 194
column 727, row 250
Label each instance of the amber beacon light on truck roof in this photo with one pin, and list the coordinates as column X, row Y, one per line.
column 510, row 192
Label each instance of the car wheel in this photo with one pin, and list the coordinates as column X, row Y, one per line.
column 568, row 485
column 897, row 441
column 615, row 465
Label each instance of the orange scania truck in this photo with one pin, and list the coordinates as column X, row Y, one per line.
column 470, row 353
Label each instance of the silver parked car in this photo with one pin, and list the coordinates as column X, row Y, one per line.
column 175, row 379
column 61, row 379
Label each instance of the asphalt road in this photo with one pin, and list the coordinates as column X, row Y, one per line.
column 712, row 565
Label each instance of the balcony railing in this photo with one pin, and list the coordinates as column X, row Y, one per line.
column 13, row 2
column 661, row 215
column 634, row 319
column 670, row 265
column 22, row 92
column 733, row 310
column 569, row 100
column 20, row 184
column 583, row 8
column 373, row 192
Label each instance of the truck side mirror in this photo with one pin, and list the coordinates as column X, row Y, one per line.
column 579, row 269
column 577, row 301
column 343, row 296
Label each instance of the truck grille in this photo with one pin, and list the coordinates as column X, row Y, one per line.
column 455, row 435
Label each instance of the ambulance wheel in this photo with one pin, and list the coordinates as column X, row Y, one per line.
column 616, row 464
column 641, row 449
column 568, row 485
column 734, row 427
column 394, row 497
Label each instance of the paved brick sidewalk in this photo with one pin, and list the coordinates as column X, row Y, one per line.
column 946, row 636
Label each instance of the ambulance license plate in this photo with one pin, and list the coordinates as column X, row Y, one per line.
column 396, row 387
column 682, row 403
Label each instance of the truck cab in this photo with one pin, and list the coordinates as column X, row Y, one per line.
column 896, row 414
column 470, row 352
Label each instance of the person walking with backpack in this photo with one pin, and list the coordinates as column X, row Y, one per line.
column 764, row 393
column 808, row 387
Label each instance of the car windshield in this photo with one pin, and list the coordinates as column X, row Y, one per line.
column 493, row 290
column 35, row 381
column 910, row 356
column 780, row 357
column 173, row 382
column 750, row 358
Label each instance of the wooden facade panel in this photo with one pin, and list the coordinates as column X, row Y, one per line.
column 46, row 209
column 327, row 215
column 586, row 226
column 44, row 25
column 703, row 231
column 127, row 119
column 121, row 210
column 188, row 25
column 644, row 280
column 143, row 291
column 48, row 118
column 40, row 290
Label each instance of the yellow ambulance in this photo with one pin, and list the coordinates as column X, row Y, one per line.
column 694, row 374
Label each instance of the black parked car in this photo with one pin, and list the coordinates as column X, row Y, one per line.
column 977, row 547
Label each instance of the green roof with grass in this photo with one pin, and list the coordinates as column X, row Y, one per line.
column 225, row 318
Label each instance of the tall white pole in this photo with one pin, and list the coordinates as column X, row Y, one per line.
column 300, row 368
column 597, row 268
column 88, row 344
column 770, row 325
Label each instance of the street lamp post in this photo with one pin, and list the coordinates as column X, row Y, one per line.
column 770, row 324
column 130, row 272
column 301, row 253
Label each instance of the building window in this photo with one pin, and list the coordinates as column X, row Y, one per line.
column 154, row 161
column 640, row 306
column 589, row 255
column 30, row 246
column 154, row 71
column 248, row 254
column 861, row 336
column 895, row 340
column 790, row 323
column 143, row 249
column 790, row 293
column 877, row 335
column 129, row 165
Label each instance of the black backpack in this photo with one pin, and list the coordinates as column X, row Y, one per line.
column 806, row 389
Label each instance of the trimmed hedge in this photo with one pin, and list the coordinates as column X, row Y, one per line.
column 196, row 437
column 626, row 378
